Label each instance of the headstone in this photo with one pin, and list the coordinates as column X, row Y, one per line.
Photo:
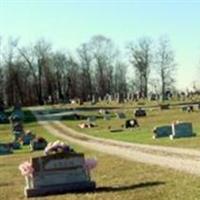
column 189, row 108
column 131, row 123
column 140, row 113
column 38, row 144
column 17, row 114
column 103, row 112
column 94, row 100
column 120, row 115
column 5, row 148
column 58, row 173
column 3, row 117
column 27, row 138
column 162, row 131
column 18, row 131
column 16, row 145
column 183, row 129
column 91, row 119
column 164, row 106
column 106, row 117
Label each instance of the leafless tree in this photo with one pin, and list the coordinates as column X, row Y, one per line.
column 104, row 53
column 85, row 57
column 165, row 65
column 141, row 59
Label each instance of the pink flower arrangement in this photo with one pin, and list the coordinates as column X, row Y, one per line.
column 90, row 163
column 26, row 169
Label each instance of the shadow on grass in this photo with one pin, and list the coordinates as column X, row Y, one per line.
column 6, row 184
column 127, row 187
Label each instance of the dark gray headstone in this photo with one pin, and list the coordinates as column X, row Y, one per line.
column 140, row 113
column 183, row 129
column 162, row 131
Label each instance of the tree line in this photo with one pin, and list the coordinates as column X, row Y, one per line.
column 35, row 73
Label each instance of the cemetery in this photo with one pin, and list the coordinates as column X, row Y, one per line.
column 64, row 157
column 99, row 100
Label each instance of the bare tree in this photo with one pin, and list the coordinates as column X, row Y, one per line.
column 120, row 80
column 60, row 69
column 85, row 58
column 141, row 59
column 166, row 66
column 104, row 54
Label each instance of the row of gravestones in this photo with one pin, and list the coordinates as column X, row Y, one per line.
column 19, row 135
column 130, row 123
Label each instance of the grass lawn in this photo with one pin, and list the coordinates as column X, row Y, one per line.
column 143, row 134
column 116, row 178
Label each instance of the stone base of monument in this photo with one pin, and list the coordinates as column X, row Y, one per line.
column 58, row 173
column 115, row 130
column 61, row 189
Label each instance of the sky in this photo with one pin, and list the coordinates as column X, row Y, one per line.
column 68, row 23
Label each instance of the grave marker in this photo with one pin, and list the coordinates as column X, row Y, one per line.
column 183, row 129
column 58, row 173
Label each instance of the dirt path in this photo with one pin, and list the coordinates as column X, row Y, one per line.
column 186, row 160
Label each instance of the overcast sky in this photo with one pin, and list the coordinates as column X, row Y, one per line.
column 67, row 24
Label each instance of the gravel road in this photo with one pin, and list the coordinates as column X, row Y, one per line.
column 180, row 159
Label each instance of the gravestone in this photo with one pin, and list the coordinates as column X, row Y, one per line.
column 131, row 123
column 3, row 117
column 58, row 173
column 91, row 119
column 106, row 117
column 5, row 148
column 103, row 112
column 38, row 144
column 17, row 130
column 164, row 106
column 183, row 129
column 140, row 113
column 17, row 114
column 189, row 108
column 27, row 138
column 120, row 115
column 162, row 131
column 16, row 145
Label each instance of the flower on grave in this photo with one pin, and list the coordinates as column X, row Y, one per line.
column 90, row 163
column 26, row 169
column 57, row 147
